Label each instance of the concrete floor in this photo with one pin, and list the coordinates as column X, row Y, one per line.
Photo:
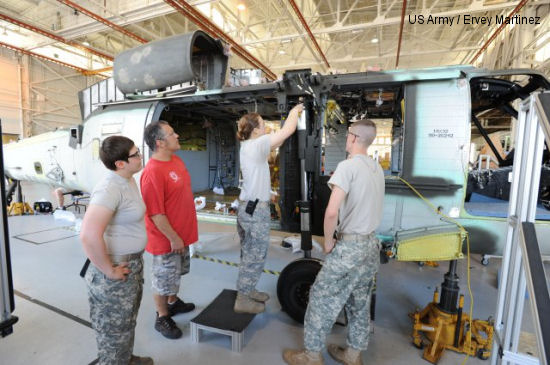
column 52, row 307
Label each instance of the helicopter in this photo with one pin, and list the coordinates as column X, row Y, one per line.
column 424, row 118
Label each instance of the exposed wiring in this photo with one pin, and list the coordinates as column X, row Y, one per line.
column 463, row 230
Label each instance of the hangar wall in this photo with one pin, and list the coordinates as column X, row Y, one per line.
column 38, row 96
column 10, row 93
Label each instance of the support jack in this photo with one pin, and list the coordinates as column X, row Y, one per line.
column 445, row 326
column 19, row 207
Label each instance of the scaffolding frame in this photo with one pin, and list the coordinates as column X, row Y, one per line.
column 522, row 266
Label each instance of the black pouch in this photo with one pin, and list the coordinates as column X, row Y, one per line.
column 43, row 207
column 84, row 268
column 251, row 206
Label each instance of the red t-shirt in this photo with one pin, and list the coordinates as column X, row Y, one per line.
column 166, row 189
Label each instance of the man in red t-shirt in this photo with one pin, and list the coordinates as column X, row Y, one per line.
column 170, row 221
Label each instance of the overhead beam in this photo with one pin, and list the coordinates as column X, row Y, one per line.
column 474, row 8
column 53, row 36
column 422, row 38
column 297, row 26
column 403, row 8
column 237, row 19
column 209, row 27
column 497, row 32
column 98, row 71
column 126, row 18
column 102, row 20
column 375, row 57
column 45, row 58
column 308, row 30
column 350, row 10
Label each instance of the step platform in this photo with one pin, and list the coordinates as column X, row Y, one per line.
column 219, row 317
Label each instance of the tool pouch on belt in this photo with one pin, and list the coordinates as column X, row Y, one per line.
column 84, row 268
column 251, row 206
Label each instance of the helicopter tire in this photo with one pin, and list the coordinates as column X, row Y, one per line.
column 294, row 284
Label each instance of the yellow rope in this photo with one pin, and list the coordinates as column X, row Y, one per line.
column 230, row 263
column 462, row 229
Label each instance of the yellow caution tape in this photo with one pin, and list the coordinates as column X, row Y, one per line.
column 229, row 263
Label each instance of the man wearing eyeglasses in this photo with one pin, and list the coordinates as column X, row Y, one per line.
column 346, row 279
column 171, row 223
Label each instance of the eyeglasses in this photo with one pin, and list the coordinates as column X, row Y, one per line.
column 137, row 154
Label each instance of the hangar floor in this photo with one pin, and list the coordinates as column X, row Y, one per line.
column 52, row 306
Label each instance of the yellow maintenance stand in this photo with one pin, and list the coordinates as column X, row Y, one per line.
column 442, row 324
column 19, row 207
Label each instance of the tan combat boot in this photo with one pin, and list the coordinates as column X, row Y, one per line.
column 259, row 296
column 244, row 304
column 347, row 355
column 137, row 360
column 302, row 357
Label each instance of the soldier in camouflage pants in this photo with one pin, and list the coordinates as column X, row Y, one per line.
column 254, row 234
column 346, row 280
column 114, row 307
column 254, row 213
column 113, row 238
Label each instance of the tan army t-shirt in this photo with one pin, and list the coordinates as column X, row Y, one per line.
column 362, row 179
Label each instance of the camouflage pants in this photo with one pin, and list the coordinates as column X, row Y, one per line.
column 254, row 234
column 346, row 280
column 167, row 271
column 114, row 306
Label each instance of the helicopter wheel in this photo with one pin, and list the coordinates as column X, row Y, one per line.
column 294, row 284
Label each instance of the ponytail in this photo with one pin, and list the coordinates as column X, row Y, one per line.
column 246, row 125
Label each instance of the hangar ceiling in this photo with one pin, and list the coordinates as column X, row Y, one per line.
column 325, row 35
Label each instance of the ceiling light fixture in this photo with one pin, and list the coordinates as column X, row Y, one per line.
column 282, row 51
column 241, row 7
column 86, row 43
column 374, row 40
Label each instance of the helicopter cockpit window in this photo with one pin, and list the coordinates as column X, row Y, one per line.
column 492, row 148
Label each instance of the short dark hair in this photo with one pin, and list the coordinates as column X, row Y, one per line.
column 154, row 132
column 115, row 148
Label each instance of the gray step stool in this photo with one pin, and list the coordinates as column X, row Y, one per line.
column 219, row 317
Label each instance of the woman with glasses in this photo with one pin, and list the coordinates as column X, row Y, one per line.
column 254, row 216
column 113, row 237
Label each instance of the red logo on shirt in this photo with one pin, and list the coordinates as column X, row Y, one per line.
column 174, row 176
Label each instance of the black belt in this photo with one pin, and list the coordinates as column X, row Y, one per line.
column 115, row 259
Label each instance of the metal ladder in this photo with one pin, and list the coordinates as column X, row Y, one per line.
column 522, row 263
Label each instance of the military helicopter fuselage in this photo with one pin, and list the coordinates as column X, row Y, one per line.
column 428, row 115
